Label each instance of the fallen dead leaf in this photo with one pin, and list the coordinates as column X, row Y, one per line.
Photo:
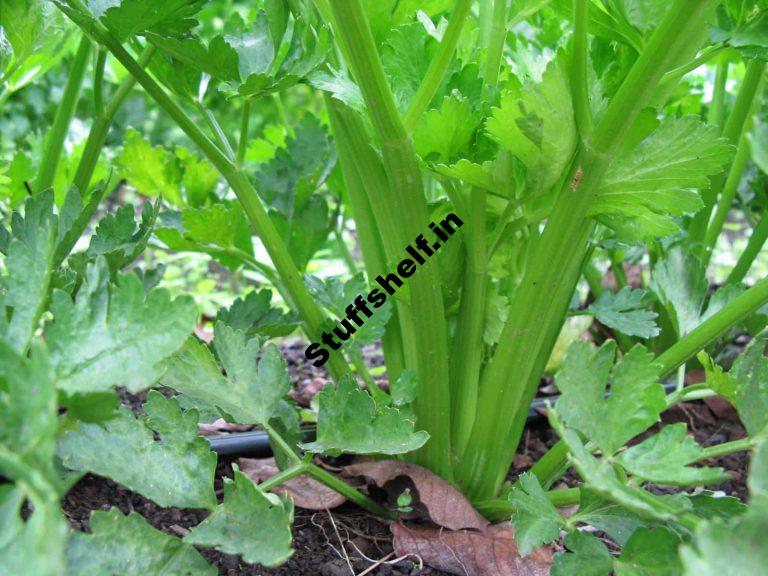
column 433, row 496
column 470, row 553
column 721, row 407
column 306, row 492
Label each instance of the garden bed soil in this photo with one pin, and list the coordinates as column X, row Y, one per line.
column 347, row 540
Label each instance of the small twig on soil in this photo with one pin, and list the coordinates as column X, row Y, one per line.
column 376, row 563
column 385, row 560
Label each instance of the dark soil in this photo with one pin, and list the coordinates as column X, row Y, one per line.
column 326, row 543
column 347, row 541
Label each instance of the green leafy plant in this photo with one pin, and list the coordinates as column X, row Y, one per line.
column 565, row 137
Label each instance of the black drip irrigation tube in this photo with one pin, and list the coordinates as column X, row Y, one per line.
column 256, row 442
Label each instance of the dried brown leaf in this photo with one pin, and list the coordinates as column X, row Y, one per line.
column 470, row 553
column 721, row 407
column 433, row 496
column 306, row 492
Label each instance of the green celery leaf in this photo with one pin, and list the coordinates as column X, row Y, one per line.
column 19, row 171
column 745, row 385
column 307, row 229
column 115, row 336
column 334, row 296
column 255, row 48
column 745, row 28
column 220, row 230
column 34, row 547
column 34, row 36
column 6, row 55
column 299, row 169
column 289, row 184
column 185, row 81
column 119, row 238
column 350, row 421
column 221, row 225
column 588, row 556
column 199, row 178
column 736, row 546
column 709, row 505
column 536, row 520
column 74, row 217
column 625, row 311
column 750, row 371
column 219, row 58
column 405, row 56
column 153, row 171
column 636, row 396
column 645, row 15
column 255, row 315
column 650, row 552
column 92, row 406
column 383, row 15
column 176, row 471
column 664, row 457
column 536, row 125
column 487, row 176
column 255, row 383
column 446, row 132
column 25, row 24
column 638, row 224
column 29, row 263
column 340, row 86
column 130, row 546
column 600, row 476
column 404, row 389
column 266, row 66
column 619, row 523
column 496, row 314
column 287, row 424
column 679, row 282
column 125, row 18
column 720, row 548
column 657, row 180
column 28, row 411
column 250, row 523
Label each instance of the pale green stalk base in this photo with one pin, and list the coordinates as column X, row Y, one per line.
column 422, row 317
